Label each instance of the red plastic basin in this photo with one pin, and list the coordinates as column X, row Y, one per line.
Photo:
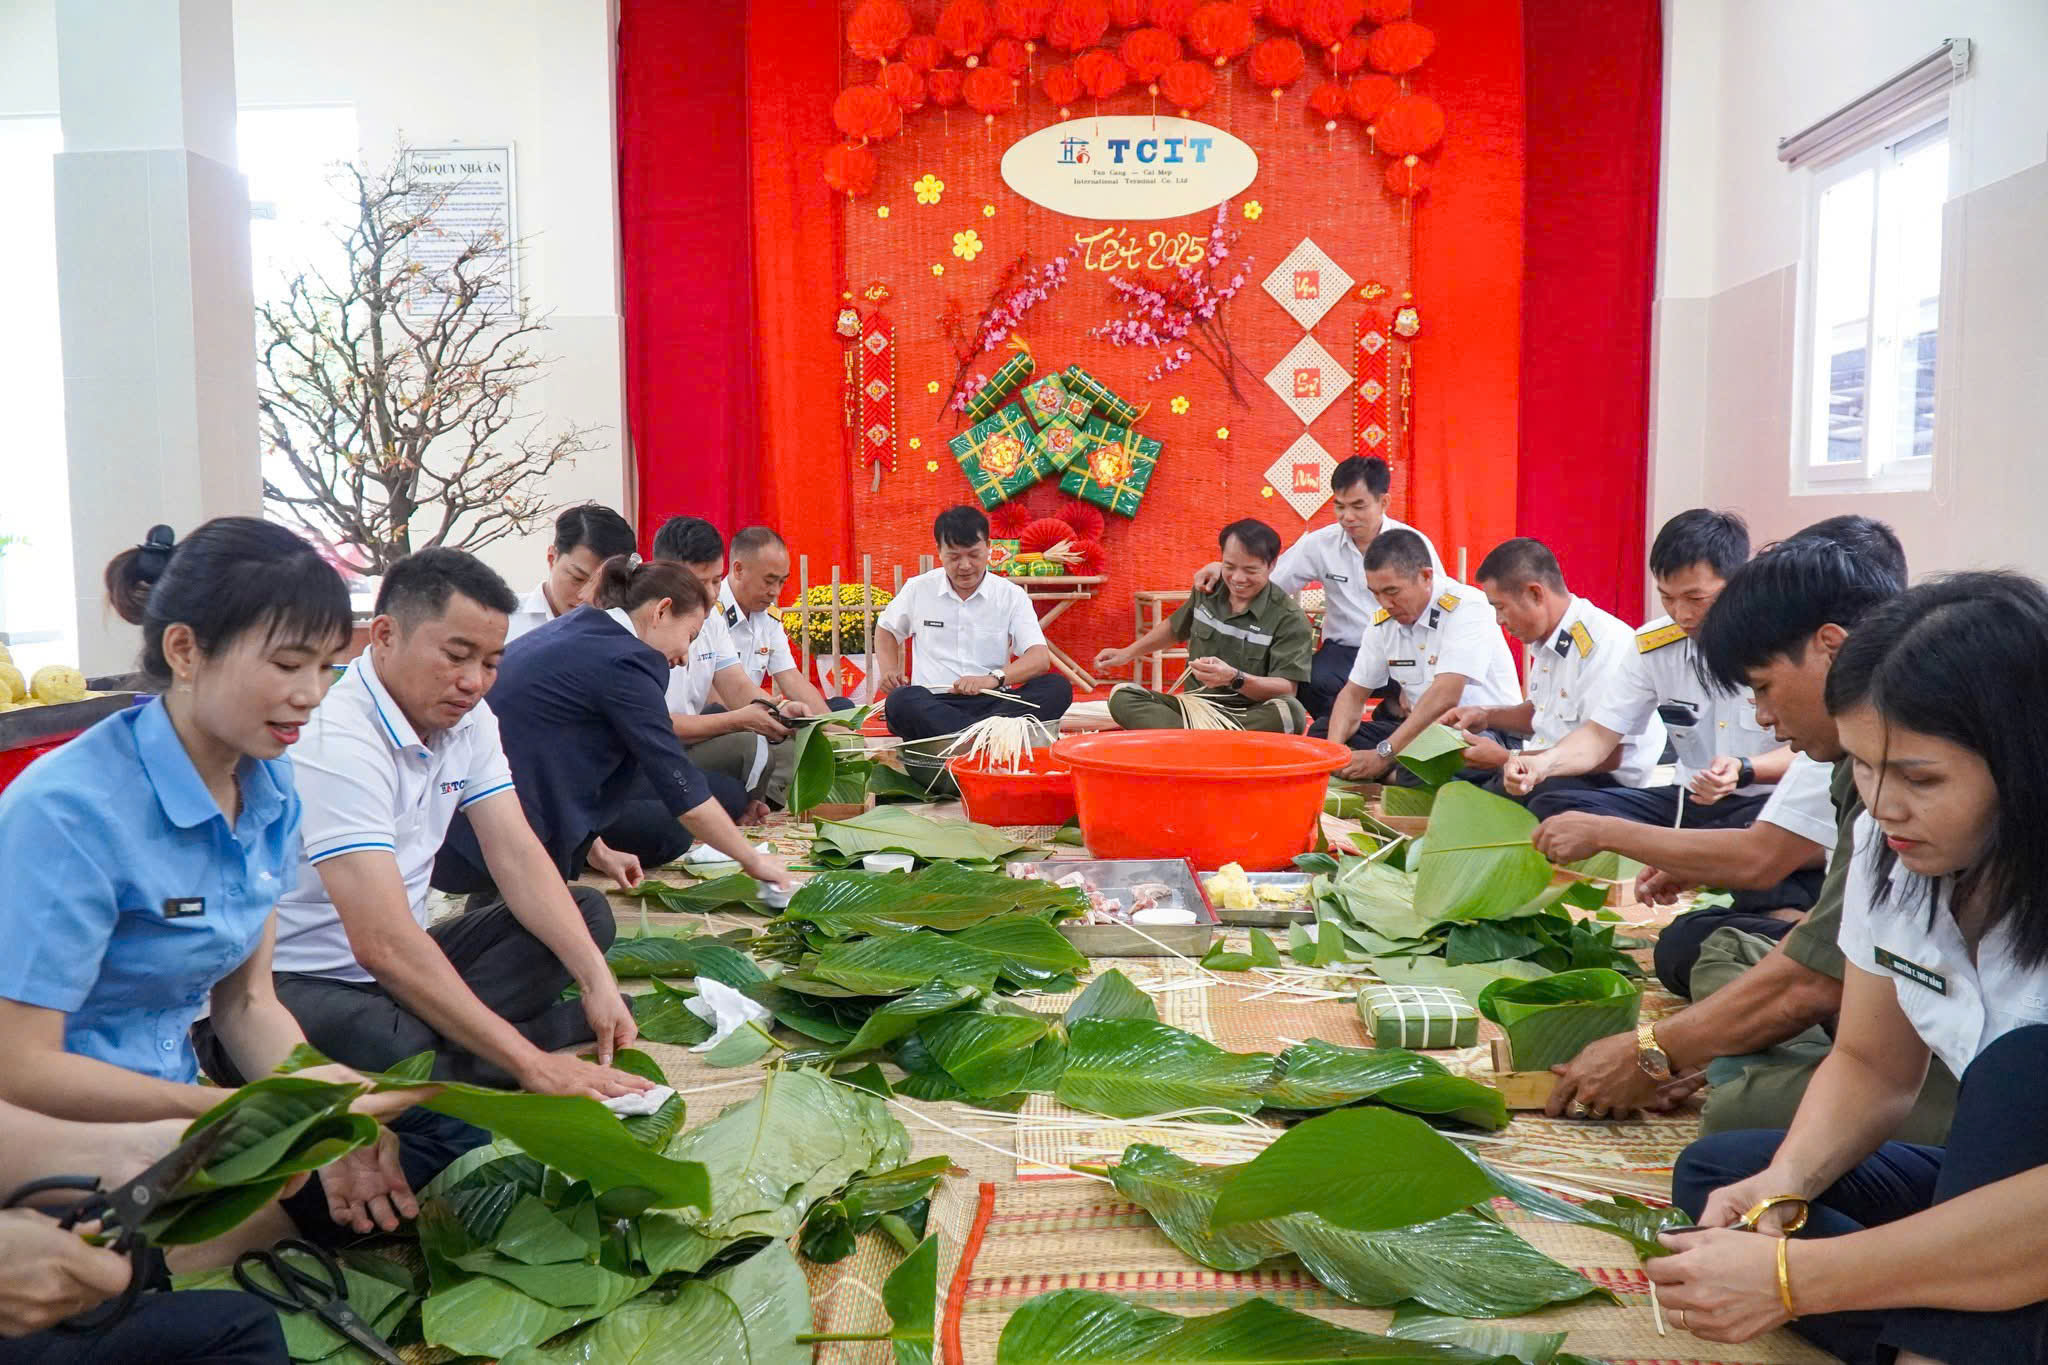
column 1211, row 796
column 1042, row 793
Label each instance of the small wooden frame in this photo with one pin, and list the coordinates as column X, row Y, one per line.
column 1520, row 1089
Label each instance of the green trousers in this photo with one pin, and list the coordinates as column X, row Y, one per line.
column 746, row 758
column 1763, row 1090
column 1140, row 708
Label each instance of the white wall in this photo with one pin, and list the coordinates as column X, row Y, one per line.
column 538, row 73
column 1740, row 74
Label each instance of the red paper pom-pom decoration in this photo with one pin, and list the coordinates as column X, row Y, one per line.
column 1348, row 55
column 1221, row 30
column 1022, row 19
column 1077, row 24
column 1008, row 56
column 1085, row 517
column 1327, row 100
column 867, row 112
column 1187, row 86
column 1401, row 46
column 849, row 169
column 944, row 86
column 1328, row 22
column 1100, row 72
column 1276, row 64
column 904, row 85
column 965, row 27
column 1062, row 86
column 1387, row 11
column 988, row 91
column 1149, row 51
column 1128, row 13
column 923, row 51
column 1173, row 15
column 1409, row 126
column 1368, row 96
column 1007, row 520
column 1408, row 176
column 1283, row 14
column 877, row 28
column 1043, row 534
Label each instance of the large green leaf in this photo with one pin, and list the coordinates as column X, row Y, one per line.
column 814, row 767
column 381, row 1291
column 892, row 829
column 658, row 955
column 1548, row 1022
column 1408, row 803
column 1412, row 1323
column 943, row 896
column 664, row 1016
column 1434, row 971
column 1460, row 1263
column 1414, row 1174
column 737, row 891
column 486, row 1316
column 1319, row 1075
column 1126, row 1068
column 888, row 964
column 988, row 1054
column 1112, row 996
column 1373, row 893
column 1631, row 1220
column 911, row 1296
column 1478, row 861
column 812, row 1016
column 1084, row 1327
column 1031, row 949
column 903, row 1014
column 1435, row 756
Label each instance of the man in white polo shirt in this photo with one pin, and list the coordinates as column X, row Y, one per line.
column 401, row 742
column 747, row 598
column 585, row 537
column 1334, row 556
column 980, row 652
column 1434, row 638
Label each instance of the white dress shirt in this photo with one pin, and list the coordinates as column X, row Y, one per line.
column 1704, row 724
column 1800, row 803
column 958, row 636
column 759, row 639
column 533, row 611
column 1327, row 556
column 1456, row 633
column 1581, row 663
column 1958, row 1003
column 369, row 782
column 689, row 687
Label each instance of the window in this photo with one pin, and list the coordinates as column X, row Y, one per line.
column 1871, row 311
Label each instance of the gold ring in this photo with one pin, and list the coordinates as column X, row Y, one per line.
column 1679, row 1313
column 1579, row 1110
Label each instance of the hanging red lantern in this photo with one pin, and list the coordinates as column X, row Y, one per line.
column 965, row 28
column 1408, row 176
column 1284, row 15
column 1023, row 20
column 1077, row 25
column 1187, row 86
column 1221, row 31
column 1328, row 22
column 1062, row 87
column 923, row 51
column 1401, row 46
column 988, row 92
column 1173, row 15
column 1409, row 126
column 1128, row 13
column 1367, row 97
column 1348, row 55
column 1327, row 100
column 1008, row 56
column 904, row 85
column 867, row 113
column 876, row 28
column 1276, row 64
column 1100, row 73
column 850, row 169
column 944, row 86
column 1149, row 51
column 1387, row 11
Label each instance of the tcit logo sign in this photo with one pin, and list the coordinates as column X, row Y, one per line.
column 1144, row 151
column 1074, row 151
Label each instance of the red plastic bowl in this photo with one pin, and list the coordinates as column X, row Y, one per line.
column 1211, row 796
column 1041, row 794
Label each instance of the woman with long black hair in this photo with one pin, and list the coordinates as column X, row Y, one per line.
column 1905, row 1252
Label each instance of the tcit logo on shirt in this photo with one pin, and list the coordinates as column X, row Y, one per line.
column 450, row 788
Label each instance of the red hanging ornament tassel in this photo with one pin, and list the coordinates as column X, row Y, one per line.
column 878, row 394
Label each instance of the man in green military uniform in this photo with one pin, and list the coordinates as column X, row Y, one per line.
column 1249, row 647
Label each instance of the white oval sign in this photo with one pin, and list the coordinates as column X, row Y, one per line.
column 1129, row 166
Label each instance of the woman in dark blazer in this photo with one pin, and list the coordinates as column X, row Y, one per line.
column 581, row 707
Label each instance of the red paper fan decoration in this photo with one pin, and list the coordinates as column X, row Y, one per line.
column 1043, row 534
column 965, row 27
column 1328, row 22
column 1408, row 176
column 1221, row 30
column 877, row 28
column 1008, row 56
column 1062, row 87
column 1276, row 64
column 904, row 85
column 1007, row 520
column 1401, row 46
column 1387, row 11
column 1173, row 15
column 1023, row 20
column 1149, row 51
column 867, row 113
column 1128, row 13
column 1327, row 100
column 1187, row 86
column 944, row 86
column 1348, row 55
column 1085, row 517
column 1076, row 25
column 1368, row 97
column 1100, row 72
column 988, row 92
column 1410, row 126
column 1283, row 14
column 850, row 169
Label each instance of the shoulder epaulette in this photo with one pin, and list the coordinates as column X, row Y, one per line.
column 1382, row 616
column 1448, row 601
column 1582, row 638
column 1656, row 639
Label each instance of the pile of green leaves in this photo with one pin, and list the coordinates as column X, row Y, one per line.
column 1433, row 757
column 382, row 1291
column 830, row 765
column 893, row 829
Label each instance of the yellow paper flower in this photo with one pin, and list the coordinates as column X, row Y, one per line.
column 938, row 268
column 915, row 443
column 931, row 386
column 988, row 210
column 929, row 189
column 931, row 466
column 967, row 245
column 882, row 211
column 1252, row 209
column 1180, row 403
column 1223, row 433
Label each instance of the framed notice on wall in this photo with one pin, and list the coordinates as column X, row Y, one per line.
column 466, row 193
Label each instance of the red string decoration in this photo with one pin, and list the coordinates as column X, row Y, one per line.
column 1221, row 31
column 1187, row 86
column 877, row 28
column 850, row 169
column 1409, row 126
column 1076, row 25
column 965, row 27
column 867, row 113
column 1400, row 47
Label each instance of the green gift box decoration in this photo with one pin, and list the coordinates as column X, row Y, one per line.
column 1100, row 397
column 1418, row 1016
column 1000, row 456
column 1008, row 378
column 1060, row 443
column 1113, row 469
column 1550, row 1019
column 1048, row 399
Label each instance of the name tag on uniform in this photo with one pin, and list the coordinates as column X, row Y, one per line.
column 936, row 625
column 1336, row 578
column 1400, row 663
column 184, row 907
column 1912, row 971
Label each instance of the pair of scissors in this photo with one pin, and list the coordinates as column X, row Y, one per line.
column 121, row 1212
column 298, row 1291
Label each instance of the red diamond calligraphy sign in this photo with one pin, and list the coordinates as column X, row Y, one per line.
column 1308, row 379
column 1302, row 476
column 1372, row 421
column 877, row 429
column 1307, row 284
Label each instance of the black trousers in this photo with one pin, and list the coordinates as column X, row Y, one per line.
column 2000, row 1130
column 1328, row 671
column 1644, row 805
column 359, row 1023
column 919, row 713
column 1678, row 946
column 195, row 1327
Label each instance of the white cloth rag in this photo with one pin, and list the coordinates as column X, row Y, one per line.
column 646, row 1102
column 725, row 1009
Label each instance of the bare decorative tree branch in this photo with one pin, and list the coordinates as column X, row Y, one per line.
column 389, row 418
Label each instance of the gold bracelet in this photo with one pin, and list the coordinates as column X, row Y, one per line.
column 1785, row 1278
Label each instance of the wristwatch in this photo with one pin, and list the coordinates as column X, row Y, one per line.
column 1238, row 681
column 1745, row 772
column 1385, row 748
column 1651, row 1057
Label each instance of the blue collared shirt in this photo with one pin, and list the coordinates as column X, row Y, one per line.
column 126, row 897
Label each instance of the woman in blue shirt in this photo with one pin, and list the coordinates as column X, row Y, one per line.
column 144, row 859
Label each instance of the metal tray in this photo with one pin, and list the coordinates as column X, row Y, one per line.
column 1118, row 876
column 36, row 724
column 1271, row 916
